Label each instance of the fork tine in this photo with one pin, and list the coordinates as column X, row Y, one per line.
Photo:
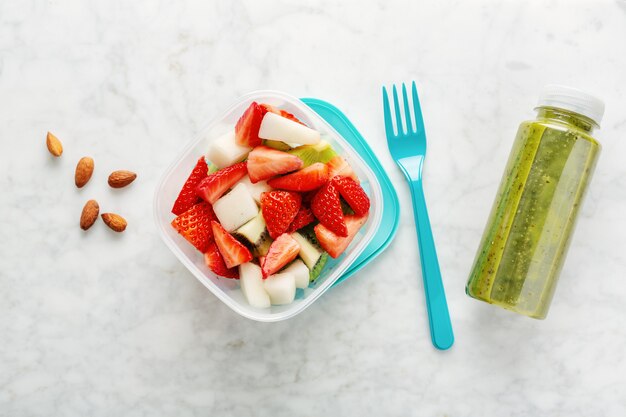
column 396, row 105
column 417, row 110
column 387, row 111
column 407, row 114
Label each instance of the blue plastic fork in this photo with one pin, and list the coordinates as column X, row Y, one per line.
column 408, row 149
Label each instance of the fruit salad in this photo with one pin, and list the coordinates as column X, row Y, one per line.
column 269, row 203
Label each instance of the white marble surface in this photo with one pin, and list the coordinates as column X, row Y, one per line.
column 96, row 324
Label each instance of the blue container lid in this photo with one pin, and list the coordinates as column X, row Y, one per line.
column 391, row 213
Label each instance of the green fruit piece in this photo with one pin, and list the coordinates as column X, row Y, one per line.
column 318, row 267
column 308, row 232
column 254, row 234
column 309, row 252
column 310, row 154
column 212, row 168
column 276, row 144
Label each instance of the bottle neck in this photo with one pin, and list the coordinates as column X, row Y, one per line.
column 567, row 117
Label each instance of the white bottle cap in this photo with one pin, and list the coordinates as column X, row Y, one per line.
column 572, row 99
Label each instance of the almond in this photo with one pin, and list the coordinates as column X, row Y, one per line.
column 114, row 221
column 84, row 169
column 121, row 178
column 54, row 145
column 89, row 214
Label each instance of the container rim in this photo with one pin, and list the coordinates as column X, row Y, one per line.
column 374, row 221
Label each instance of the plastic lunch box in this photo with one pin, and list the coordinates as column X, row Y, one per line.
column 228, row 290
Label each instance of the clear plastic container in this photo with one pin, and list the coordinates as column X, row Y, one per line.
column 228, row 290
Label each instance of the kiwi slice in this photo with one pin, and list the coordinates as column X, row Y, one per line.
column 318, row 267
column 264, row 247
column 276, row 144
column 311, row 253
column 254, row 234
column 310, row 154
column 308, row 232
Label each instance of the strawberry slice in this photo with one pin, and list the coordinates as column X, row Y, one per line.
column 339, row 166
column 282, row 251
column 304, row 217
column 265, row 162
column 326, row 206
column 281, row 112
column 215, row 185
column 214, row 260
column 233, row 251
column 334, row 244
column 269, row 108
column 187, row 196
column 248, row 125
column 195, row 225
column 353, row 193
column 279, row 208
column 306, row 179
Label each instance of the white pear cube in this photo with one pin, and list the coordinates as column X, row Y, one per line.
column 300, row 273
column 235, row 208
column 251, row 281
column 280, row 128
column 255, row 189
column 281, row 288
column 224, row 151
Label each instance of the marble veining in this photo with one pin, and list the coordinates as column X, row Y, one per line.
column 97, row 324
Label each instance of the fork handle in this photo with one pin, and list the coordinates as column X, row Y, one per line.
column 438, row 315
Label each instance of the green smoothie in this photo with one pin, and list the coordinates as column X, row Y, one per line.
column 529, row 228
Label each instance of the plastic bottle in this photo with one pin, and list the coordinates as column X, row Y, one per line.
column 529, row 229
